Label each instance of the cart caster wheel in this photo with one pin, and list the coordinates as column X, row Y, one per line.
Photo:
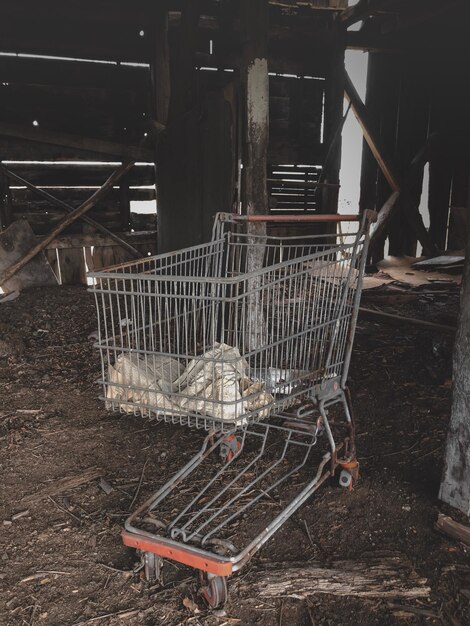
column 152, row 566
column 230, row 447
column 345, row 479
column 215, row 591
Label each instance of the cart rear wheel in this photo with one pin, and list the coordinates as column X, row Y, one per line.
column 214, row 590
column 152, row 564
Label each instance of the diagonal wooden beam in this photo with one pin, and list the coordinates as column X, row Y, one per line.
column 68, row 209
column 67, row 220
column 373, row 141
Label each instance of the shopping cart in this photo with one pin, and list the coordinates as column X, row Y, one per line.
column 248, row 337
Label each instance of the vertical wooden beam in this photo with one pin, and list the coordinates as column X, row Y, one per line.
column 183, row 83
column 179, row 148
column 254, row 24
column 254, row 29
column 455, row 485
column 368, row 185
column 458, row 201
column 333, row 112
column 5, row 202
column 124, row 206
column 440, row 178
column 160, row 64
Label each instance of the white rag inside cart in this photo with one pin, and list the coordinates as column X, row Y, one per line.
column 215, row 384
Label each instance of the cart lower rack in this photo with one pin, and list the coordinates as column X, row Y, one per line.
column 250, row 338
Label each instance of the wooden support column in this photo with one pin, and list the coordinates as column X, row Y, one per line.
column 124, row 206
column 440, row 179
column 254, row 21
column 368, row 192
column 455, row 485
column 254, row 28
column 160, row 65
column 5, row 202
column 179, row 148
column 334, row 103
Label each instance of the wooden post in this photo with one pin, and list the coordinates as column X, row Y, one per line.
column 334, row 104
column 160, row 66
column 5, row 202
column 254, row 28
column 124, row 206
column 254, row 17
column 455, row 485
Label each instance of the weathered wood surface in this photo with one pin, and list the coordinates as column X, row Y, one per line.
column 72, row 266
column 70, row 175
column 370, row 135
column 63, row 484
column 390, row 577
column 76, row 142
column 254, row 24
column 68, row 219
column 15, row 242
column 450, row 527
column 383, row 218
column 68, row 209
column 455, row 485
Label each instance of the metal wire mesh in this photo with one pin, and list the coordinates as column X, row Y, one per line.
column 198, row 337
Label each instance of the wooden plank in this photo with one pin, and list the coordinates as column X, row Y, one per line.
column 66, row 221
column 88, row 144
column 145, row 238
column 83, row 175
column 78, row 74
column 72, row 266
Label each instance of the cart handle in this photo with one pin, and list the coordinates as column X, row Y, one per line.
column 369, row 216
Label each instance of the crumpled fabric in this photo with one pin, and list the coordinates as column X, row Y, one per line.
column 215, row 384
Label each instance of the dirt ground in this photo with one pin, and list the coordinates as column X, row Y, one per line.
column 63, row 563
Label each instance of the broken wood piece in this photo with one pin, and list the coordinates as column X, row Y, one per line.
column 19, row 515
column 383, row 218
column 390, row 577
column 414, row 610
column 105, row 486
column 64, row 484
column 15, row 242
column 403, row 320
column 66, row 221
column 9, row 297
column 68, row 209
column 450, row 527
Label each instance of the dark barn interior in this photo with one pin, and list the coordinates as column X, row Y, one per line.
column 124, row 128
